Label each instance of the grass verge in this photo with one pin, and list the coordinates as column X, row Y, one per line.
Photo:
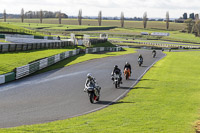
column 168, row 104
column 10, row 61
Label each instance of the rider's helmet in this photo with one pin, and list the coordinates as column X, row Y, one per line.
column 89, row 75
column 115, row 66
column 127, row 63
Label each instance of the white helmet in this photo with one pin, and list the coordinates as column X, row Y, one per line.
column 89, row 75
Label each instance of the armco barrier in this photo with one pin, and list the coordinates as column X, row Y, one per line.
column 100, row 49
column 40, row 64
column 32, row 46
column 2, row 79
column 22, row 71
column 2, row 36
column 28, row 69
column 9, row 77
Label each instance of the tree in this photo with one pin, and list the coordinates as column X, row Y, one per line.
column 41, row 16
column 22, row 15
column 100, row 18
column 197, row 28
column 167, row 20
column 190, row 24
column 122, row 19
column 59, row 17
column 80, row 17
column 4, row 15
column 145, row 19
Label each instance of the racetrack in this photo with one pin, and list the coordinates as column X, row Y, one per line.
column 58, row 94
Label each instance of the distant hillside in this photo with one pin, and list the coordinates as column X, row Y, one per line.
column 10, row 15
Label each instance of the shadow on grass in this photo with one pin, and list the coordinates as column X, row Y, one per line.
column 148, row 80
column 110, row 102
column 142, row 88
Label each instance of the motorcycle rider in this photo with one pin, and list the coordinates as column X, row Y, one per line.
column 140, row 58
column 127, row 65
column 154, row 52
column 90, row 81
column 117, row 71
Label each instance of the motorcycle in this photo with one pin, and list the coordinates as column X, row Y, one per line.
column 154, row 55
column 140, row 61
column 93, row 92
column 116, row 80
column 127, row 73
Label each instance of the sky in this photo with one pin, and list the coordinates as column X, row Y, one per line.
column 109, row 8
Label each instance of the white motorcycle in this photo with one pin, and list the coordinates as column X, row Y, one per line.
column 116, row 79
column 93, row 91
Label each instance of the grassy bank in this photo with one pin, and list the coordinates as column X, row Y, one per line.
column 168, row 104
column 9, row 61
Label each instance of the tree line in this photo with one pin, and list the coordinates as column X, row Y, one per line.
column 48, row 14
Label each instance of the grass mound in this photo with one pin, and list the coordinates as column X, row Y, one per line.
column 10, row 61
column 10, row 28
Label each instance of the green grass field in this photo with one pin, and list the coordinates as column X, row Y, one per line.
column 9, row 61
column 11, row 28
column 134, row 32
column 91, row 22
column 132, row 28
column 168, row 104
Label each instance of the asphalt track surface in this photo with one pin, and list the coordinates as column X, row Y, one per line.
column 58, row 94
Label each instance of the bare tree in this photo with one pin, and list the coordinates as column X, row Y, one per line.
column 100, row 18
column 22, row 15
column 59, row 17
column 41, row 16
column 145, row 19
column 4, row 15
column 167, row 20
column 80, row 17
column 122, row 19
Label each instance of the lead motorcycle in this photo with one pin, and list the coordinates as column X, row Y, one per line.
column 93, row 92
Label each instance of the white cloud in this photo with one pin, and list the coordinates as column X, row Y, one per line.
column 131, row 8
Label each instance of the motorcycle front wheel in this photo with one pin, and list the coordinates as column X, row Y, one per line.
column 91, row 95
column 116, row 84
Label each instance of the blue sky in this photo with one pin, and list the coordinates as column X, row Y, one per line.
column 131, row 8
